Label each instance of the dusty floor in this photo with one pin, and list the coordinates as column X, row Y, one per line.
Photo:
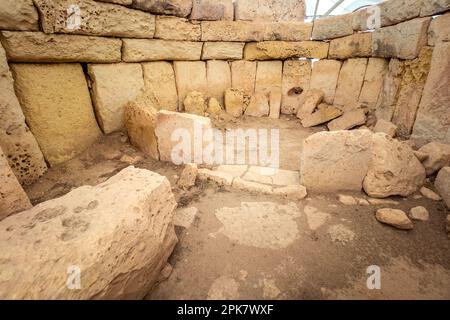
column 244, row 246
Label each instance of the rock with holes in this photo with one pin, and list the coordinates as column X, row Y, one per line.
column 395, row 218
column 12, row 197
column 442, row 185
column 223, row 50
column 18, row 143
column 195, row 103
column 117, row 235
column 336, row 160
column 438, row 156
column 174, row 28
column 295, row 84
column 235, row 102
column 393, row 169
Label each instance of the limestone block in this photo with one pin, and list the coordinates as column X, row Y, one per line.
column 335, row 161
column 174, row 28
column 419, row 213
column 275, row 103
column 190, row 76
column 353, row 46
column 118, row 234
column 57, row 106
column 268, row 76
column 348, row 120
column 442, row 184
column 386, row 127
column 281, row 50
column 96, row 18
column 41, row 47
column 393, row 169
column 139, row 50
column 295, row 84
column 113, row 87
column 410, row 91
column 212, row 10
column 12, row 197
column 333, row 27
column 439, row 30
column 223, row 50
column 432, row 7
column 160, row 85
column 373, row 82
column 188, row 176
column 350, row 81
column 270, row 10
column 175, row 130
column 324, row 77
column 258, row 106
column 218, row 177
column 433, row 116
column 18, row 143
column 235, row 102
column 313, row 97
column 140, row 122
column 324, row 114
column 195, row 103
column 243, row 75
column 237, row 31
column 179, row 8
column 287, row 31
column 394, row 217
column 389, row 91
column 218, row 75
column 18, row 15
column 403, row 41
column 438, row 156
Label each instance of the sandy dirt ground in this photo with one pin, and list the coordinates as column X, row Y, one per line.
column 244, row 246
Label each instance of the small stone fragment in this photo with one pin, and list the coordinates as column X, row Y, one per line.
column 419, row 213
column 430, row 194
column 395, row 218
column 188, row 176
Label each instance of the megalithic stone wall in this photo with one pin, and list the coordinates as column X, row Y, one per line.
column 164, row 49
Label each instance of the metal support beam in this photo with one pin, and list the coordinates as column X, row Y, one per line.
column 315, row 10
column 333, row 8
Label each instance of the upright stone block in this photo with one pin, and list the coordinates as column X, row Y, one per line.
column 190, row 76
column 373, row 81
column 295, row 84
column 324, row 77
column 350, row 82
column 160, row 85
column 57, row 106
column 268, row 76
column 243, row 76
column 142, row 50
column 218, row 75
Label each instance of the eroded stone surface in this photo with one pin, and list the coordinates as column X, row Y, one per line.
column 324, row 77
column 281, row 50
column 348, row 120
column 295, row 84
column 18, row 15
column 333, row 27
column 174, row 28
column 243, row 75
column 190, row 76
column 179, row 8
column 442, row 184
column 395, row 218
column 138, row 50
column 218, row 74
column 270, row 10
column 223, row 50
column 324, row 114
column 353, row 46
column 373, row 82
column 160, row 85
column 350, row 82
column 438, row 156
column 212, row 10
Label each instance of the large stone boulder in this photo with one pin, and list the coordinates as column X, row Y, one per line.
column 393, row 169
column 442, row 184
column 438, row 156
column 335, row 161
column 12, row 196
column 18, row 15
column 57, row 106
column 115, row 238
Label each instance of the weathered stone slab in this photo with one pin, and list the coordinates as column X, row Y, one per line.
column 174, row 28
column 140, row 121
column 113, row 87
column 218, row 74
column 212, row 10
column 160, row 85
column 391, row 84
column 373, row 82
column 243, row 75
column 190, row 76
column 223, row 50
column 442, row 184
column 40, row 47
column 188, row 176
column 393, row 169
column 173, row 129
column 268, row 76
column 122, row 2
column 57, row 106
column 403, row 41
column 386, row 127
column 433, row 116
column 333, row 27
column 96, row 19
column 94, row 229
column 12, row 197
column 313, row 97
column 335, row 161
column 348, row 120
column 281, row 50
column 410, row 91
column 275, row 103
column 432, row 7
column 195, row 103
column 139, row 50
column 324, row 114
column 353, row 46
column 18, row 143
column 18, row 15
column 270, row 10
column 350, row 82
column 324, row 77
column 295, row 84
column 287, row 31
column 439, row 30
column 235, row 102
column 438, row 156
column 179, row 8
column 258, row 106
column 237, row 31
column 395, row 218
